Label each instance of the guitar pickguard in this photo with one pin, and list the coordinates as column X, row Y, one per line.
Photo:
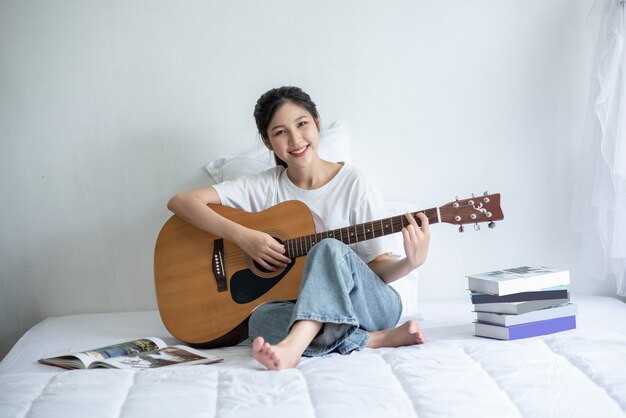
column 245, row 286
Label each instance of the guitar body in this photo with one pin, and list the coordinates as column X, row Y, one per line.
column 207, row 287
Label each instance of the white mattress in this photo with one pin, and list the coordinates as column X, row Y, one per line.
column 575, row 373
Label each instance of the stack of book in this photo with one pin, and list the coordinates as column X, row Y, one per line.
column 521, row 302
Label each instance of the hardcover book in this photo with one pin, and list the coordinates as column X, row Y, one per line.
column 508, row 320
column 140, row 354
column 516, row 280
column 531, row 329
column 518, row 308
column 556, row 292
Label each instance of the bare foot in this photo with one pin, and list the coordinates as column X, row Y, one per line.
column 275, row 357
column 408, row 333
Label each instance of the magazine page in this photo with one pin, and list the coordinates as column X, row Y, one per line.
column 85, row 358
column 168, row 356
column 122, row 349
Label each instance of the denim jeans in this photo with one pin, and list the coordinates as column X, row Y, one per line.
column 338, row 289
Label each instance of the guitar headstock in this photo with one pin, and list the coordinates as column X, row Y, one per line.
column 474, row 210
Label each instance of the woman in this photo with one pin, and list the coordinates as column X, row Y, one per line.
column 345, row 303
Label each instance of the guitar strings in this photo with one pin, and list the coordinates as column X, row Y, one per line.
column 301, row 245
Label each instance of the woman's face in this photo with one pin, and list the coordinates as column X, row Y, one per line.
column 293, row 135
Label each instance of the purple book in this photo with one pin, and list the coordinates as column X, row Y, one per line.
column 530, row 329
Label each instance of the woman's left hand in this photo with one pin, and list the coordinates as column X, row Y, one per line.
column 416, row 240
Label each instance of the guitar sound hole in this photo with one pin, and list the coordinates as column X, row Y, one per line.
column 260, row 267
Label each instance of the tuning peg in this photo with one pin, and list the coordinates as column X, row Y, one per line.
column 461, row 228
column 476, row 227
column 491, row 224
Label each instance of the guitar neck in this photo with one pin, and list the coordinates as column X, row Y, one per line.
column 297, row 247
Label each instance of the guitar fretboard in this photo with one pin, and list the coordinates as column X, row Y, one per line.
column 297, row 247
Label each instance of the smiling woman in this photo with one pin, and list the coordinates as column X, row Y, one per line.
column 270, row 102
column 293, row 136
column 344, row 302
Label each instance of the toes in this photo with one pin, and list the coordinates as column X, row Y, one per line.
column 272, row 360
column 415, row 330
column 258, row 343
column 276, row 363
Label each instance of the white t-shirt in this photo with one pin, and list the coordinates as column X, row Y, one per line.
column 348, row 199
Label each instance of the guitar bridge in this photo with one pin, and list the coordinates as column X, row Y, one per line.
column 218, row 265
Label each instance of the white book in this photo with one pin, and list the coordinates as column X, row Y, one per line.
column 508, row 320
column 519, row 307
column 517, row 280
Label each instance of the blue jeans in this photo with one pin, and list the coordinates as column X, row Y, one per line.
column 338, row 289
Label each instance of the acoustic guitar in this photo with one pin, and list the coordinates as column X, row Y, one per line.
column 207, row 287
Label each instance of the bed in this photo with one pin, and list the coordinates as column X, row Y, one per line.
column 578, row 373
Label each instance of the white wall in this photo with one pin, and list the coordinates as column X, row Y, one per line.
column 109, row 108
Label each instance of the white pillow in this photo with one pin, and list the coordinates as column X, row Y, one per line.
column 334, row 146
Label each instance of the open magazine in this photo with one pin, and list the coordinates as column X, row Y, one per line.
column 144, row 353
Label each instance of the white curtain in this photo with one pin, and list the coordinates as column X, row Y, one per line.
column 599, row 209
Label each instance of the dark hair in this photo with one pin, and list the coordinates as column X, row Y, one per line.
column 271, row 101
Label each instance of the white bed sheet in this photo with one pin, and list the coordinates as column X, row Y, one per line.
column 575, row 373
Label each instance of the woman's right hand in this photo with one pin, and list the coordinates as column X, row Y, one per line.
column 264, row 249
